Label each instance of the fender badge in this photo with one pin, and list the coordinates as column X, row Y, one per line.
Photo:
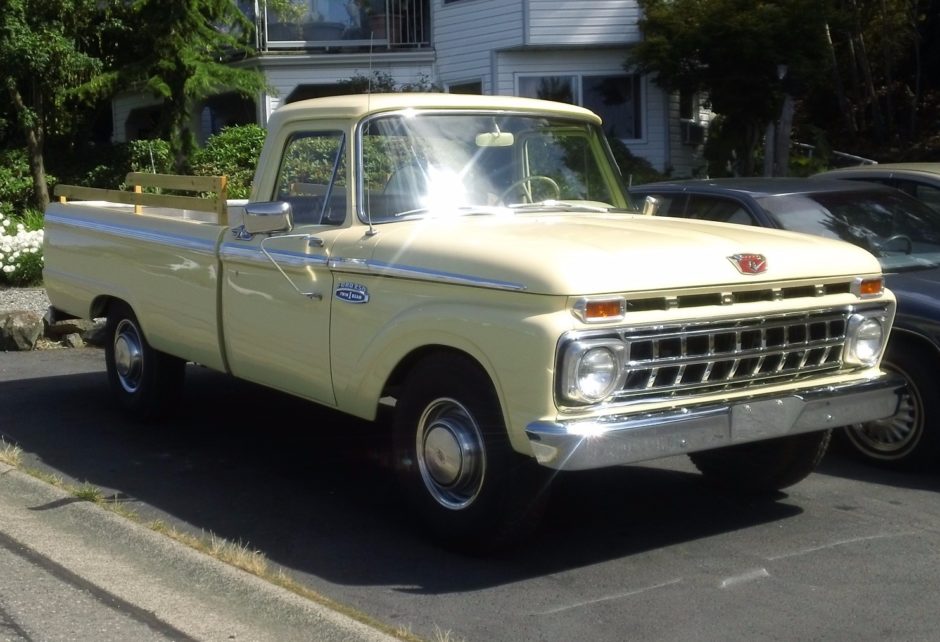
column 352, row 293
column 749, row 263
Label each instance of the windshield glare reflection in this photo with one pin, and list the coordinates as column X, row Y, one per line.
column 458, row 164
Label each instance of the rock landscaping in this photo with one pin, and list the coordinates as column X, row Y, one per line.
column 26, row 323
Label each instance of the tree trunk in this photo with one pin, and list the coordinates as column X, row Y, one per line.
column 878, row 124
column 890, row 116
column 770, row 139
column 784, row 129
column 843, row 102
column 34, row 132
column 918, row 73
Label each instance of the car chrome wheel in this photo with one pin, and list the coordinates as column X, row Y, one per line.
column 893, row 437
column 128, row 355
column 451, row 455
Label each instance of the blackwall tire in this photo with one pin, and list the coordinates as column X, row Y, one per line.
column 910, row 439
column 145, row 382
column 763, row 467
column 468, row 488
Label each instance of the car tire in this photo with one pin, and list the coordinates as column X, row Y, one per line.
column 145, row 381
column 910, row 439
column 469, row 489
column 763, row 467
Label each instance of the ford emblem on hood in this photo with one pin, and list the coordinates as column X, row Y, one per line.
column 749, row 263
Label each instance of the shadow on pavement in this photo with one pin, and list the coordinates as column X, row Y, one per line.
column 311, row 489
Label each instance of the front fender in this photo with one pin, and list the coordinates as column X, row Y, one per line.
column 512, row 336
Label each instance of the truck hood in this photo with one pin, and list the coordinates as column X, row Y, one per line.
column 580, row 254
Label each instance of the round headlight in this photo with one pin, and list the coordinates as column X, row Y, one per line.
column 597, row 373
column 867, row 341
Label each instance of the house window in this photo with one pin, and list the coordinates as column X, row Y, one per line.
column 475, row 88
column 687, row 105
column 615, row 98
column 559, row 88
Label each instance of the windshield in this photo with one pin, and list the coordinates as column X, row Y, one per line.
column 416, row 164
column 902, row 232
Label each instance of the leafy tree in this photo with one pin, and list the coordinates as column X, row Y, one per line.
column 47, row 54
column 743, row 57
column 886, row 73
column 182, row 57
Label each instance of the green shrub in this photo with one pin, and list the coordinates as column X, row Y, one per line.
column 16, row 181
column 233, row 152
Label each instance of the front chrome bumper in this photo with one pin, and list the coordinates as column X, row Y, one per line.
column 623, row 439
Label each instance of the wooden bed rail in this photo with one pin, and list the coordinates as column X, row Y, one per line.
column 138, row 198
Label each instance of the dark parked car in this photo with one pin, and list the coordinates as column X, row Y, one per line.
column 905, row 236
column 920, row 180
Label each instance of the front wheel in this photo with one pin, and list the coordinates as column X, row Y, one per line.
column 765, row 466
column 909, row 439
column 470, row 490
column 145, row 381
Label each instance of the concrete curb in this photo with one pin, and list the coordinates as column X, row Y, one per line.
column 194, row 593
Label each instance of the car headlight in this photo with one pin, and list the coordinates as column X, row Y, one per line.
column 865, row 339
column 592, row 370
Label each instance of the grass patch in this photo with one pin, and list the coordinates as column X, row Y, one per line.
column 237, row 554
column 10, row 454
column 87, row 492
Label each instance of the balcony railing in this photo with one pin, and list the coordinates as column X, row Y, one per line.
column 341, row 24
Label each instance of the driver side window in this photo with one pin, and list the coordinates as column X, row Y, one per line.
column 312, row 178
column 721, row 210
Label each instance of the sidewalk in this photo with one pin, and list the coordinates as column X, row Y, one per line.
column 72, row 570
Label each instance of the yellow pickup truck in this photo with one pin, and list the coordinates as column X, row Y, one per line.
column 474, row 263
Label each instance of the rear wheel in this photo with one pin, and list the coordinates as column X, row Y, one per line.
column 765, row 466
column 910, row 439
column 470, row 490
column 143, row 380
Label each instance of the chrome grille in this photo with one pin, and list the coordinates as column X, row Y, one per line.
column 702, row 358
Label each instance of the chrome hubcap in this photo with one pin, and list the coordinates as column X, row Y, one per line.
column 128, row 356
column 895, row 436
column 450, row 452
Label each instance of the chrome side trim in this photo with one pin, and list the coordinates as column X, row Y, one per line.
column 135, row 234
column 254, row 256
column 379, row 268
column 599, row 442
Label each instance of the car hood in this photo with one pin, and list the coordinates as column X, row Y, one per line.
column 579, row 254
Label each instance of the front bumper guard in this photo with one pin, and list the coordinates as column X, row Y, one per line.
column 624, row 439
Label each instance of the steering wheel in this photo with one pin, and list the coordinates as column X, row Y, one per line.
column 903, row 238
column 528, row 191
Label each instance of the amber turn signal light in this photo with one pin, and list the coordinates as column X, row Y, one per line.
column 869, row 287
column 606, row 309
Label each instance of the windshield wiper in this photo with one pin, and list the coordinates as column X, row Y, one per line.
column 462, row 210
column 560, row 206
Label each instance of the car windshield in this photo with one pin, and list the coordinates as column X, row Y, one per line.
column 432, row 164
column 902, row 232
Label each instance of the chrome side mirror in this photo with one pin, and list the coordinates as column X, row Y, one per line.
column 268, row 217
column 651, row 206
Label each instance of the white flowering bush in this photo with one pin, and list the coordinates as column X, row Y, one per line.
column 20, row 250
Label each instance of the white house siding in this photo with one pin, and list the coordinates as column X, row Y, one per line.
column 121, row 108
column 584, row 22
column 686, row 160
column 466, row 33
column 651, row 145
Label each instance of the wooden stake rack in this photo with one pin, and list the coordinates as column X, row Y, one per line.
column 139, row 199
